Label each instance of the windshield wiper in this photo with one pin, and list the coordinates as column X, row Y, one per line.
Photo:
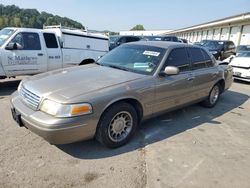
column 117, row 67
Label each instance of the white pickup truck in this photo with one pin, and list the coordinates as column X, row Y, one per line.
column 25, row 51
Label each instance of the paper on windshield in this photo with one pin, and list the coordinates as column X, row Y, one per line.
column 151, row 53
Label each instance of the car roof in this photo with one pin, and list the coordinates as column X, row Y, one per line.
column 161, row 44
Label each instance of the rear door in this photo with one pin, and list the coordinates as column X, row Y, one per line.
column 204, row 71
column 28, row 58
column 53, row 51
column 174, row 90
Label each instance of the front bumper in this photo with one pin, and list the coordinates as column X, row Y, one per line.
column 54, row 130
column 241, row 74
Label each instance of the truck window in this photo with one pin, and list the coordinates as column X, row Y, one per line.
column 178, row 58
column 50, row 40
column 27, row 41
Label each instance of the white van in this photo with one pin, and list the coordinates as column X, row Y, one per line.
column 26, row 51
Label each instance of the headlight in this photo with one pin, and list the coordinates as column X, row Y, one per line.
column 65, row 110
column 20, row 86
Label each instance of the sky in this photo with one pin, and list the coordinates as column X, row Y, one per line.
column 117, row 15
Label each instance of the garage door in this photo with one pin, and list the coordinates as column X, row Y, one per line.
column 216, row 34
column 199, row 36
column 234, row 36
column 245, row 36
column 204, row 35
column 224, row 34
column 195, row 37
column 210, row 35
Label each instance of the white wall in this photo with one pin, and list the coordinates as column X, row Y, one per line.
column 144, row 33
column 238, row 33
column 245, row 36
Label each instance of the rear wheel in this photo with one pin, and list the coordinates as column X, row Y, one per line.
column 213, row 97
column 117, row 125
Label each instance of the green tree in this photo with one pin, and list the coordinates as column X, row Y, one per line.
column 17, row 22
column 14, row 16
column 138, row 27
column 2, row 24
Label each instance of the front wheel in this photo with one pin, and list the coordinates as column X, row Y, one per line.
column 117, row 125
column 213, row 97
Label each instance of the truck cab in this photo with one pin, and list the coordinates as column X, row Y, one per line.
column 26, row 51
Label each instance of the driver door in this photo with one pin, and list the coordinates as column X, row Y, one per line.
column 174, row 90
column 25, row 55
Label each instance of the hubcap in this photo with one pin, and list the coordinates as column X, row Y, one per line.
column 120, row 126
column 214, row 94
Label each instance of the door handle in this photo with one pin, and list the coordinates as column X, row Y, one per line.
column 40, row 54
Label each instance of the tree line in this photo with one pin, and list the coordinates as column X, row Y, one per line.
column 13, row 16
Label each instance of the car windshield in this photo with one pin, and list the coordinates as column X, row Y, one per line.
column 243, row 54
column 212, row 44
column 134, row 58
column 5, row 34
column 152, row 38
column 243, row 48
column 113, row 39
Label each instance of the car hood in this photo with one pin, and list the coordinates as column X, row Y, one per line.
column 65, row 84
column 241, row 62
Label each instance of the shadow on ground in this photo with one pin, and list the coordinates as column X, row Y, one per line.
column 8, row 87
column 241, row 82
column 160, row 128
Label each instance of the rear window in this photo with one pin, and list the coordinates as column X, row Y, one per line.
column 50, row 40
column 207, row 59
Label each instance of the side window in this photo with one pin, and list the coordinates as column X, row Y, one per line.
column 27, row 41
column 123, row 40
column 178, row 58
column 132, row 39
column 50, row 40
column 207, row 58
column 167, row 39
column 197, row 58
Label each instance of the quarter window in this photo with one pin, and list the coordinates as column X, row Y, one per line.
column 178, row 58
column 207, row 58
column 197, row 58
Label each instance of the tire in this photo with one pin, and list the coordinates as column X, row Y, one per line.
column 213, row 97
column 117, row 125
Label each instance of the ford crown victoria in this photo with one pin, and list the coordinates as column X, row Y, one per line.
column 108, row 99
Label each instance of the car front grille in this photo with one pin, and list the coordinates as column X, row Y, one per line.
column 31, row 99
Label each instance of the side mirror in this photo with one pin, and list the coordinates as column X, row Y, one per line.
column 170, row 70
column 11, row 46
column 118, row 43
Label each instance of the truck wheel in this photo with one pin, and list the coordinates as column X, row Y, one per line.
column 213, row 97
column 117, row 125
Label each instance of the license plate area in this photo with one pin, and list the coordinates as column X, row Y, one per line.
column 237, row 73
column 16, row 116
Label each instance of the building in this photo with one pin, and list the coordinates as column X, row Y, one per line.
column 234, row 28
column 144, row 33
